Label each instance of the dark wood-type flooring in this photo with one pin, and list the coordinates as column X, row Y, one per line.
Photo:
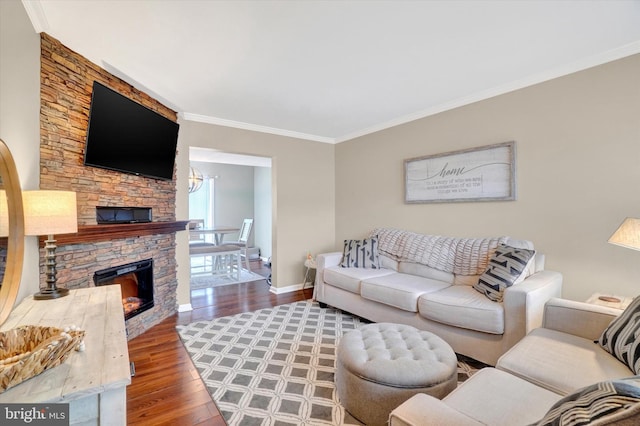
column 166, row 388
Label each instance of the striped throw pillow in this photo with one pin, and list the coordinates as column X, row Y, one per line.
column 361, row 254
column 621, row 338
column 606, row 402
column 507, row 267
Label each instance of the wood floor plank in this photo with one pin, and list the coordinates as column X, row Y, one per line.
column 166, row 389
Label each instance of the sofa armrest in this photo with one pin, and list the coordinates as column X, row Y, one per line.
column 324, row 260
column 578, row 318
column 425, row 410
column 524, row 302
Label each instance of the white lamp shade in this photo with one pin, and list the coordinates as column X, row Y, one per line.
column 50, row 212
column 628, row 234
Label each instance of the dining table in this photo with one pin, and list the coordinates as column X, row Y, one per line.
column 218, row 232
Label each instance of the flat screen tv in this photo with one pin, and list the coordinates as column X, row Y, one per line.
column 128, row 137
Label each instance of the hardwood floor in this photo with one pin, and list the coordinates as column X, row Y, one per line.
column 166, row 389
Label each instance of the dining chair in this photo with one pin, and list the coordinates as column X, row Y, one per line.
column 198, row 247
column 194, row 236
column 243, row 240
column 218, row 260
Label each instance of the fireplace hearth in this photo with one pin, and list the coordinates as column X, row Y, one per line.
column 136, row 284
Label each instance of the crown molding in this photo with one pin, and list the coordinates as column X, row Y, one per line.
column 254, row 127
column 112, row 69
column 580, row 65
column 36, row 15
column 576, row 66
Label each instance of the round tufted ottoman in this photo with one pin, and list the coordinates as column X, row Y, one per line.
column 379, row 366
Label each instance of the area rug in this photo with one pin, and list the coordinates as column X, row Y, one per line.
column 209, row 281
column 275, row 366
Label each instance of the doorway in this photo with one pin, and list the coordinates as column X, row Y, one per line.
column 235, row 187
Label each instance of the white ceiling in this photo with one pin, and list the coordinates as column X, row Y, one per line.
column 333, row 70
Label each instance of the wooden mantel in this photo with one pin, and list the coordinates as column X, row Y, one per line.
column 95, row 233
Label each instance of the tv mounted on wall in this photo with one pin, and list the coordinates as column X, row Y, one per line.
column 128, row 137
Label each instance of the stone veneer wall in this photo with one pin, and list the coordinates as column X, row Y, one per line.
column 66, row 83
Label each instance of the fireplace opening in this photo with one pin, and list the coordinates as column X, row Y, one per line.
column 136, row 284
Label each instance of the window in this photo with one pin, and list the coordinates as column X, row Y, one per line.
column 201, row 203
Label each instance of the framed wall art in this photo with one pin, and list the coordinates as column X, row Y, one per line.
column 486, row 173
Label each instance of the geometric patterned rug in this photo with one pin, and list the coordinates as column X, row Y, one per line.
column 275, row 366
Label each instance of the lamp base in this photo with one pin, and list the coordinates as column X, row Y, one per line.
column 48, row 293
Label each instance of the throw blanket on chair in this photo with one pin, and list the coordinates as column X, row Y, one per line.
column 461, row 256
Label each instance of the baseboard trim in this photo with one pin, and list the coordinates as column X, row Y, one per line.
column 289, row 289
column 185, row 308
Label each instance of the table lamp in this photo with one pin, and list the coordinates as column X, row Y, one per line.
column 627, row 235
column 49, row 213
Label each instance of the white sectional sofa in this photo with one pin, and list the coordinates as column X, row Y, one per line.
column 426, row 281
column 560, row 363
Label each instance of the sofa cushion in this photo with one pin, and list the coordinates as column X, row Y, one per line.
column 605, row 403
column 360, row 254
column 494, row 397
column 462, row 306
column 349, row 278
column 388, row 263
column 423, row 409
column 620, row 338
column 425, row 271
column 466, row 279
column 399, row 290
column 507, row 267
column 531, row 359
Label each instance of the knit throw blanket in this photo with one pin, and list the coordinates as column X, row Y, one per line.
column 461, row 256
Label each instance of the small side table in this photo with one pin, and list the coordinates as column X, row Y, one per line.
column 601, row 299
column 309, row 264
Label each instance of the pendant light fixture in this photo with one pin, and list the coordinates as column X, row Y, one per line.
column 195, row 179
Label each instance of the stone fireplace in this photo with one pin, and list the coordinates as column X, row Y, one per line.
column 66, row 80
column 108, row 247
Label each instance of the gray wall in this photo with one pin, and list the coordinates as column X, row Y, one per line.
column 302, row 191
column 20, row 113
column 234, row 194
column 578, row 174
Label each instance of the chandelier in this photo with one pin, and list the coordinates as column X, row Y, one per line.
column 195, row 179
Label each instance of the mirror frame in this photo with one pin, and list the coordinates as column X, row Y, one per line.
column 15, row 240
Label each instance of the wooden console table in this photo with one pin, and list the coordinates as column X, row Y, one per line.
column 92, row 382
